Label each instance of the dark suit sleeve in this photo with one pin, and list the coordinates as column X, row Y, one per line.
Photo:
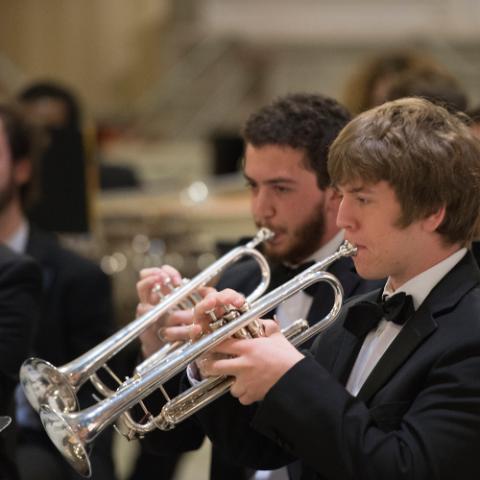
column 227, row 435
column 227, row 424
column 337, row 436
column 19, row 309
column 88, row 308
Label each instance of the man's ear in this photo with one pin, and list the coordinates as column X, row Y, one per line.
column 22, row 171
column 434, row 220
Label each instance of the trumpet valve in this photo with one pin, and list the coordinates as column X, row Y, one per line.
column 256, row 329
column 252, row 330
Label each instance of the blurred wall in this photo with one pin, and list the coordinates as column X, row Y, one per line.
column 115, row 52
column 110, row 51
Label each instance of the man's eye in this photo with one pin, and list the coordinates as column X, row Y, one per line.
column 280, row 189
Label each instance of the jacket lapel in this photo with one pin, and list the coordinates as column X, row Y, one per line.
column 38, row 247
column 415, row 331
column 443, row 298
column 348, row 344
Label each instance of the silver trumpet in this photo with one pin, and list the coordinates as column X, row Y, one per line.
column 45, row 384
column 73, row 432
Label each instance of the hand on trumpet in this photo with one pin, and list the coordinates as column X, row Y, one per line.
column 256, row 364
column 178, row 325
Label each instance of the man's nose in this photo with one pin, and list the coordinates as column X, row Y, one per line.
column 345, row 218
column 262, row 205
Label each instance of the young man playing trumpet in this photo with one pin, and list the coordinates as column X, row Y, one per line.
column 392, row 390
column 286, row 146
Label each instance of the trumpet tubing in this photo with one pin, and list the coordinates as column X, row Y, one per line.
column 195, row 398
column 72, row 432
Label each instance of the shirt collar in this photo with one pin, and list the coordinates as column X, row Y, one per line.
column 18, row 241
column 421, row 285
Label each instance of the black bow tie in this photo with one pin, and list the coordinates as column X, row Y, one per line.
column 283, row 273
column 365, row 316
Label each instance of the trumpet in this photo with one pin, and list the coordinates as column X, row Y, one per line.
column 71, row 433
column 43, row 383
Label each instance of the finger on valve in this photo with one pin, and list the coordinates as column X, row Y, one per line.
column 204, row 363
column 215, row 305
column 150, row 341
column 156, row 283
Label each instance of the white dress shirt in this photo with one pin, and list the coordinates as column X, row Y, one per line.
column 18, row 241
column 377, row 341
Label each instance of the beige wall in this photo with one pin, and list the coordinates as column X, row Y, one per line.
column 109, row 51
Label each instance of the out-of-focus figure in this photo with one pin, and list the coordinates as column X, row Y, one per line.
column 62, row 203
column 368, row 86
column 75, row 311
column 439, row 87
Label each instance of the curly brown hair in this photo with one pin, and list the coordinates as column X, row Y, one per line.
column 302, row 121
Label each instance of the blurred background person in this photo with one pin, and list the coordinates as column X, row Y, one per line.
column 62, row 202
column 20, row 285
column 439, row 87
column 76, row 305
column 368, row 86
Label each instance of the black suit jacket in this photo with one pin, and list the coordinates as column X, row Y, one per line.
column 416, row 417
column 76, row 315
column 244, row 277
column 19, row 301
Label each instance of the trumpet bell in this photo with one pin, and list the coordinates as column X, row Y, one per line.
column 66, row 439
column 45, row 384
